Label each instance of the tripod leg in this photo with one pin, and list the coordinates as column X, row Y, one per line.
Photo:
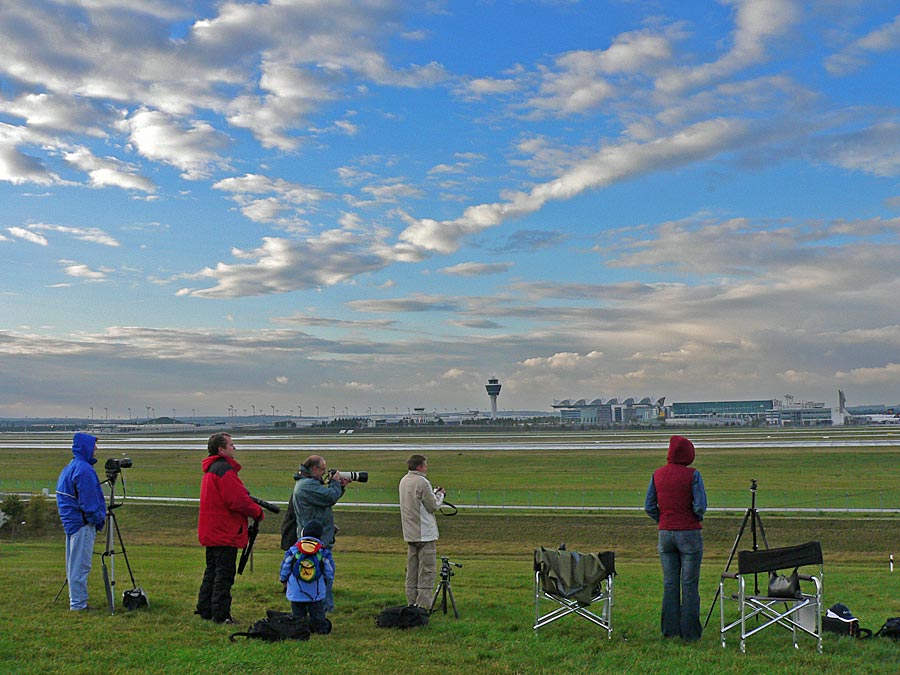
column 124, row 553
column 762, row 530
column 61, row 588
column 757, row 524
column 109, row 574
column 108, row 584
column 434, row 600
column 748, row 515
column 452, row 601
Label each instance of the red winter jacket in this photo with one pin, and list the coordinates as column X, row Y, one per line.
column 225, row 504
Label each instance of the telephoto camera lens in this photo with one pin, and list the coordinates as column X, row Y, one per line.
column 360, row 476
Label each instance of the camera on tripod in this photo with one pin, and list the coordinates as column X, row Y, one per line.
column 114, row 466
column 444, row 589
column 446, row 567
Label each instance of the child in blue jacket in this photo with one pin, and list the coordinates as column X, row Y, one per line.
column 306, row 566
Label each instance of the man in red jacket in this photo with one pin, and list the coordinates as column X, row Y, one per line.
column 225, row 506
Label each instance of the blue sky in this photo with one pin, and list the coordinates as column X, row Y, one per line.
column 358, row 204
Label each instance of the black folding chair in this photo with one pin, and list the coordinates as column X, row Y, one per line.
column 801, row 613
column 574, row 583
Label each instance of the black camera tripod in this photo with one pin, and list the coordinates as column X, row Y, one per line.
column 109, row 574
column 750, row 516
column 444, row 589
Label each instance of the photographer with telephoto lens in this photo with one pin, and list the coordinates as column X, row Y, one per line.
column 317, row 490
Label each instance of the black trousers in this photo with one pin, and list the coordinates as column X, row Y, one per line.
column 214, row 600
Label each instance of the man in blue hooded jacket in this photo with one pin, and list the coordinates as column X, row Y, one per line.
column 82, row 510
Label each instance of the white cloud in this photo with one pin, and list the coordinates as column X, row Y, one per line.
column 564, row 361
column 81, row 271
column 60, row 112
column 871, row 376
column 757, row 23
column 580, row 81
column 479, row 87
column 884, row 39
column 283, row 265
column 193, row 147
column 472, row 269
column 108, row 171
column 874, row 150
column 28, row 235
column 608, row 165
column 278, row 196
column 360, row 386
column 414, row 303
column 16, row 167
column 93, row 235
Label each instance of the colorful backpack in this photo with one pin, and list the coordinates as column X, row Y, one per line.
column 307, row 564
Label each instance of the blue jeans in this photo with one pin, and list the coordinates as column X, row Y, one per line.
column 79, row 554
column 681, row 552
column 329, row 595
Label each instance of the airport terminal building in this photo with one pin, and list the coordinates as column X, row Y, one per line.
column 611, row 412
column 627, row 412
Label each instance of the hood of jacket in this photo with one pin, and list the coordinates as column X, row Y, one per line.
column 212, row 459
column 681, row 451
column 83, row 446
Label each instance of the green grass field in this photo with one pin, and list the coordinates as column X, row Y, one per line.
column 578, row 469
column 493, row 588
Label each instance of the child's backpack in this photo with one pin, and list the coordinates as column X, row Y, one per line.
column 308, row 564
column 402, row 616
column 890, row 629
column 277, row 626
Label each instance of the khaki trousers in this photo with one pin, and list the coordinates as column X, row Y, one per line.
column 421, row 572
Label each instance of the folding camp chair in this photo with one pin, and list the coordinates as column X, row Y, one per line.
column 799, row 614
column 574, row 581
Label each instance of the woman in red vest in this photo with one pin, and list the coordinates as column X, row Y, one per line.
column 676, row 499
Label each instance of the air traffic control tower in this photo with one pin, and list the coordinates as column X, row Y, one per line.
column 493, row 390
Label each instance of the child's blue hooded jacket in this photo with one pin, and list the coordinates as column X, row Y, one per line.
column 299, row 590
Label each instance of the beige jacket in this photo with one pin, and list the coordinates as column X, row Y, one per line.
column 418, row 504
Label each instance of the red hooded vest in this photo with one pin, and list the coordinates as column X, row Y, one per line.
column 674, row 487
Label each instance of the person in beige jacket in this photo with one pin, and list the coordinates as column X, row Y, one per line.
column 418, row 504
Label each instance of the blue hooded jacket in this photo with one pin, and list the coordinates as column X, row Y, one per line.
column 299, row 590
column 79, row 496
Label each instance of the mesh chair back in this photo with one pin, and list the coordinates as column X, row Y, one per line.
column 753, row 562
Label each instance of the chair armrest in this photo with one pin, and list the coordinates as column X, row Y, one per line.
column 729, row 575
column 805, row 577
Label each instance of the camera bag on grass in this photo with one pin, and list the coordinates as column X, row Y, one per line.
column 277, row 626
column 890, row 629
column 402, row 616
column 136, row 598
column 840, row 620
